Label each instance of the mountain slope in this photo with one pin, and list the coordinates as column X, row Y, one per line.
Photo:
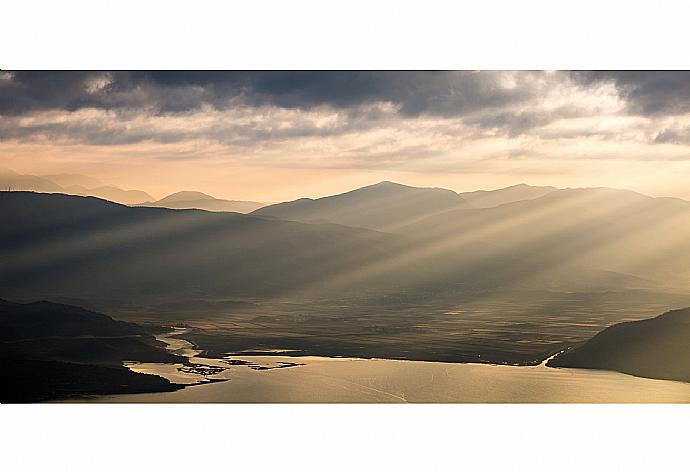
column 568, row 240
column 50, row 351
column 71, row 184
column 59, row 245
column 574, row 239
column 558, row 233
column 185, row 196
column 197, row 200
column 109, row 192
column 66, row 333
column 494, row 198
column 10, row 180
column 90, row 249
column 656, row 348
column 383, row 206
column 41, row 319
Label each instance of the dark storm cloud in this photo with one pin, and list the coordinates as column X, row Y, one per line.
column 500, row 103
column 27, row 91
column 414, row 93
column 484, row 99
column 649, row 93
column 438, row 93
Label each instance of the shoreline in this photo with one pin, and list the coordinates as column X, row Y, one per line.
column 299, row 353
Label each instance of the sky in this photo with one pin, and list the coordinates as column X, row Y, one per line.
column 279, row 135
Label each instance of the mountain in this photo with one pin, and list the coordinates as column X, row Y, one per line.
column 515, row 193
column 109, row 192
column 587, row 239
column 46, row 319
column 657, row 348
column 84, row 247
column 185, row 196
column 10, row 180
column 568, row 240
column 69, row 180
column 66, row 333
column 50, row 351
column 383, row 206
column 564, row 231
column 202, row 201
column 512, row 282
column 72, row 184
column 388, row 206
column 90, row 249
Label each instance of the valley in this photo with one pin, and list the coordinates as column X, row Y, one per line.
column 395, row 272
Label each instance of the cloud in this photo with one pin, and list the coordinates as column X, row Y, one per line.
column 370, row 118
column 679, row 136
column 440, row 93
column 649, row 93
column 508, row 103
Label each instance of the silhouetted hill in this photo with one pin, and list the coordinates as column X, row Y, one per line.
column 50, row 351
column 202, row 201
column 515, row 193
column 41, row 319
column 31, row 381
column 52, row 331
column 383, row 206
column 657, row 348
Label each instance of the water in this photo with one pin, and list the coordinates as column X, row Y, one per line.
column 379, row 380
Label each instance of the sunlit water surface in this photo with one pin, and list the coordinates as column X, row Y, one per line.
column 322, row 379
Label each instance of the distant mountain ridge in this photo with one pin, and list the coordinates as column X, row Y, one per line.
column 185, row 196
column 382, row 206
column 142, row 252
column 71, row 184
column 386, row 237
column 388, row 206
column 602, row 228
column 197, row 200
column 514, row 193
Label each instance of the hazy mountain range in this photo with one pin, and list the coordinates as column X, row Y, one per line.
column 84, row 246
column 382, row 206
column 71, row 184
column 197, row 200
column 76, row 184
column 387, row 237
column 388, row 206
